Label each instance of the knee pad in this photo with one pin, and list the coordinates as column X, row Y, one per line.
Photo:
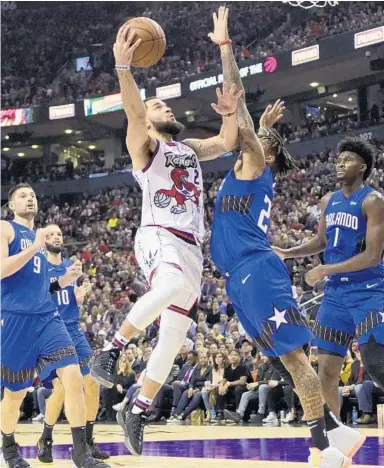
column 173, row 330
column 372, row 355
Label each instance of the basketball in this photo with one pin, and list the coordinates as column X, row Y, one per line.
column 153, row 42
column 161, row 200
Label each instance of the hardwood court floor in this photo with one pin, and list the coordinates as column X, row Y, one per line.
column 188, row 446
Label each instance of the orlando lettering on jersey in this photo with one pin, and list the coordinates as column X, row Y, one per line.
column 342, row 219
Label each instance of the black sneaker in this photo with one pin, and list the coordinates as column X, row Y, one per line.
column 133, row 425
column 232, row 416
column 13, row 458
column 44, row 450
column 96, row 451
column 103, row 367
column 86, row 461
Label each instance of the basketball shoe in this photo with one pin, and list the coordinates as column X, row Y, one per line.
column 13, row 458
column 330, row 457
column 84, row 460
column 133, row 426
column 44, row 450
column 103, row 367
column 346, row 440
column 96, row 451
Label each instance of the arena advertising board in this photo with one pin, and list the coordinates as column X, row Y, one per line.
column 62, row 112
column 169, row 92
column 369, row 37
column 308, row 54
column 11, row 117
column 105, row 104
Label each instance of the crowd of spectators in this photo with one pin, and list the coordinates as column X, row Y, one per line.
column 59, row 40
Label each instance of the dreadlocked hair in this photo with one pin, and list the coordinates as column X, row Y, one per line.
column 284, row 160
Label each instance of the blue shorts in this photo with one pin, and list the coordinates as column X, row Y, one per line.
column 348, row 308
column 261, row 292
column 33, row 344
column 83, row 350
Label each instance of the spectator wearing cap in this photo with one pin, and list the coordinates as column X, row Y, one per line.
column 246, row 353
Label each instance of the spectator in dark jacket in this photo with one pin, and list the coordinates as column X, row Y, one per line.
column 182, row 382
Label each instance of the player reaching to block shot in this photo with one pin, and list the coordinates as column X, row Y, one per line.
column 258, row 282
column 167, row 246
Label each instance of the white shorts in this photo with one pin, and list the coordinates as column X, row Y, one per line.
column 154, row 246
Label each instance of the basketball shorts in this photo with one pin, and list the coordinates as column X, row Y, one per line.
column 33, row 345
column 155, row 246
column 350, row 310
column 83, row 350
column 261, row 292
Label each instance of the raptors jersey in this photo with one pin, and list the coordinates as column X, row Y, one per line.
column 172, row 188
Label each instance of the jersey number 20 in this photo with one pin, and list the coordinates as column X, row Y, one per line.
column 265, row 214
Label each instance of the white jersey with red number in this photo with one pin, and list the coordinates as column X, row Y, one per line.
column 172, row 186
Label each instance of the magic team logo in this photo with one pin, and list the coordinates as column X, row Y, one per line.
column 182, row 191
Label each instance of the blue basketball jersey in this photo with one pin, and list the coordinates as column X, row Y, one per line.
column 27, row 290
column 64, row 299
column 241, row 219
column 346, row 228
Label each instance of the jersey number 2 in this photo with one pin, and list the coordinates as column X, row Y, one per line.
column 265, row 215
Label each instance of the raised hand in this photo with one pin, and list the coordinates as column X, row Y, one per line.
column 125, row 45
column 220, row 26
column 227, row 100
column 42, row 235
column 272, row 114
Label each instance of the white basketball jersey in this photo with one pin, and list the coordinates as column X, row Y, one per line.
column 172, row 188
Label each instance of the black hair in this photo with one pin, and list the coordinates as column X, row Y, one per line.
column 16, row 188
column 284, row 160
column 235, row 351
column 195, row 353
column 362, row 148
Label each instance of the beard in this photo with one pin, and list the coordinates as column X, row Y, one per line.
column 169, row 128
column 55, row 249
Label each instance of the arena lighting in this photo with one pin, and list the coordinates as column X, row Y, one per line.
column 334, row 95
column 79, row 142
column 350, row 99
column 21, row 154
column 68, row 131
column 6, row 149
column 91, row 147
column 314, row 84
column 6, row 137
column 34, row 146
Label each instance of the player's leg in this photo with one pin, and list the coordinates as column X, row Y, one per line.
column 366, row 302
column 18, row 361
column 333, row 330
column 160, row 261
column 57, row 352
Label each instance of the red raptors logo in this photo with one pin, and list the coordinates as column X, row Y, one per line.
column 182, row 190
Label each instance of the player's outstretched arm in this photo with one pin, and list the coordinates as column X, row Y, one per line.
column 139, row 143
column 316, row 245
column 12, row 264
column 252, row 150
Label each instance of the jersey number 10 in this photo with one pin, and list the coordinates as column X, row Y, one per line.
column 62, row 297
column 265, row 214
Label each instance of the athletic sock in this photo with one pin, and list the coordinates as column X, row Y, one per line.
column 318, row 433
column 331, row 422
column 89, row 430
column 79, row 440
column 47, row 431
column 142, row 403
column 119, row 341
column 8, row 440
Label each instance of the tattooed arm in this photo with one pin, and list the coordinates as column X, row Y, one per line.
column 252, row 150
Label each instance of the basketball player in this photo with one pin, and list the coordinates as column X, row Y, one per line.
column 167, row 244
column 67, row 302
column 351, row 235
column 258, row 282
column 33, row 336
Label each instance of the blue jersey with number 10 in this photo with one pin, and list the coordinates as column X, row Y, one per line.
column 65, row 298
column 241, row 221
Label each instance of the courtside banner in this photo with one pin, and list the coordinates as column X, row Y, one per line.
column 169, row 92
column 306, row 55
column 369, row 37
column 11, row 117
column 62, row 112
column 105, row 104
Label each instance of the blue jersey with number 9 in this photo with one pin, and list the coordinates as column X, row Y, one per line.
column 242, row 218
column 65, row 298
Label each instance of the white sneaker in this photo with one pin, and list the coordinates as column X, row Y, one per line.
column 346, row 440
column 38, row 418
column 328, row 458
column 119, row 406
column 271, row 419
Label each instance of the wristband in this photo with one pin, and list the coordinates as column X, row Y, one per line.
column 54, row 287
column 227, row 41
column 122, row 67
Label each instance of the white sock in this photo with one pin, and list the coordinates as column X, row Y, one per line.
column 142, row 403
